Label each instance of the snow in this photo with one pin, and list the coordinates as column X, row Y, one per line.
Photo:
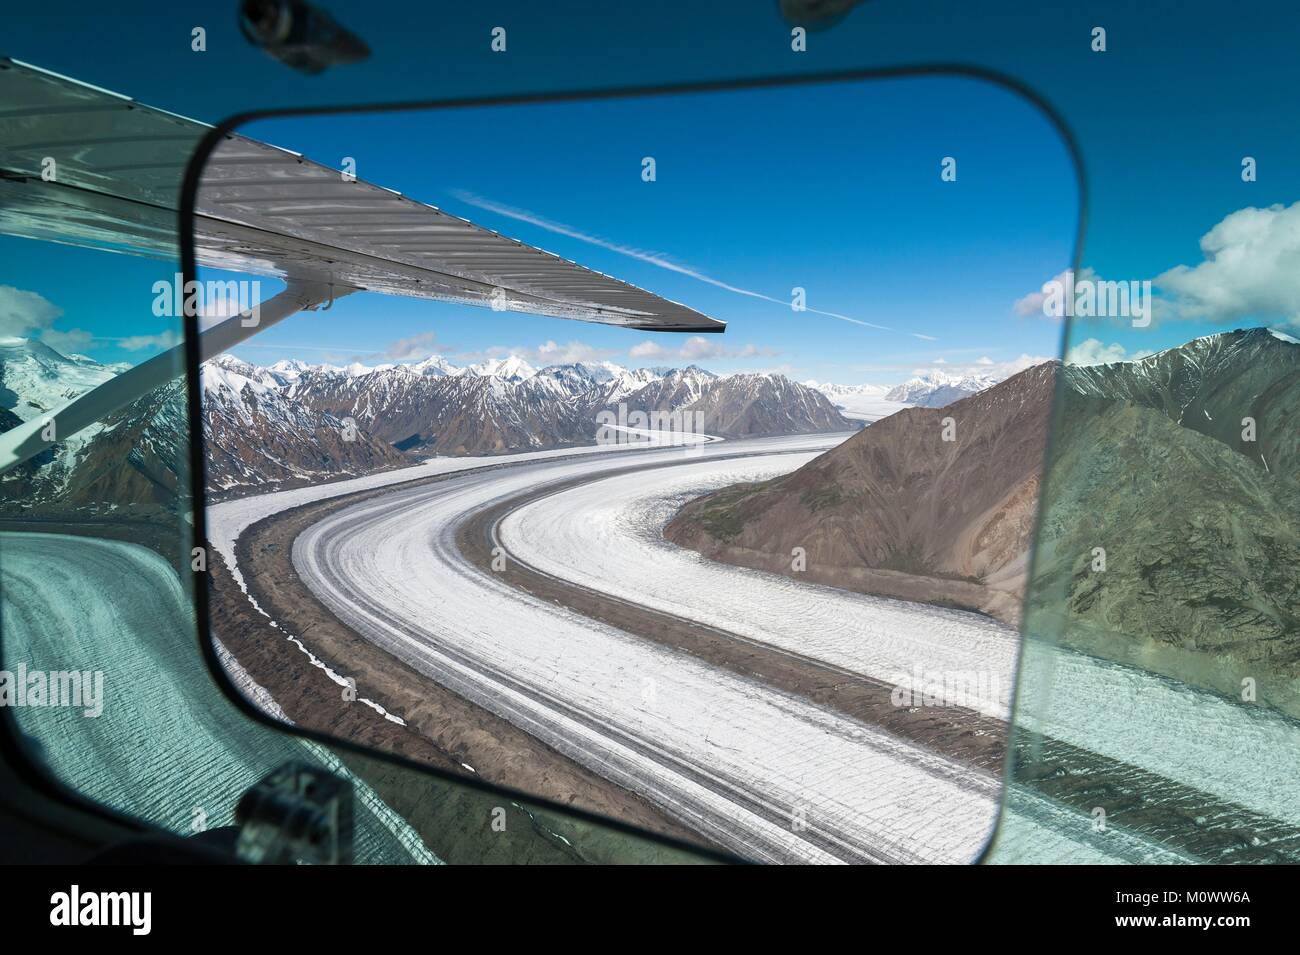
column 288, row 370
column 41, row 381
column 605, row 535
column 168, row 744
column 227, row 520
column 739, row 757
column 872, row 402
column 1201, row 740
column 44, row 380
column 936, row 388
column 435, row 366
column 505, row 369
column 859, row 402
column 404, row 585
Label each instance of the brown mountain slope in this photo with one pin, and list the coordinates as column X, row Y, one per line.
column 482, row 415
column 1166, row 542
column 897, row 509
column 1201, row 550
column 742, row 405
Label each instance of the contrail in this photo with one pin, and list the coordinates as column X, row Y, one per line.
column 651, row 258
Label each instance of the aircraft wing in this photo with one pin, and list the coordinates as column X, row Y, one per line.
column 112, row 169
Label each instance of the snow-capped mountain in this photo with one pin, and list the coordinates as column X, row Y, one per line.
column 630, row 381
column 934, row 389
column 758, row 404
column 506, row 405
column 846, row 392
column 447, row 414
column 288, row 423
column 138, row 457
column 288, row 370
column 435, row 366
column 859, row 402
column 614, row 381
column 131, row 457
column 256, row 434
column 583, row 376
column 35, row 380
column 1210, row 384
column 506, row 369
column 673, row 391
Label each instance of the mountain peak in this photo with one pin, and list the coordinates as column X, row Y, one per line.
column 435, row 366
column 511, row 368
column 935, row 388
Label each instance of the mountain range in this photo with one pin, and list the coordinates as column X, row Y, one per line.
column 898, row 509
column 508, row 406
column 35, row 380
column 936, row 388
column 1196, row 526
column 293, row 423
column 933, row 388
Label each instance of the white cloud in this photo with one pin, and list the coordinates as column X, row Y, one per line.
column 1016, row 365
column 985, row 366
column 648, row 349
column 418, row 346
column 1251, row 270
column 1032, row 304
column 550, row 353
column 27, row 314
column 1092, row 351
column 1249, row 273
column 164, row 339
column 72, row 340
column 699, row 348
column 547, row 353
column 220, row 301
column 23, row 312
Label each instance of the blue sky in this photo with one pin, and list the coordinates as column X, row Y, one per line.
column 1164, row 116
column 835, row 189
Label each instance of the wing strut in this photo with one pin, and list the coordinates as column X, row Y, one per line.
column 30, row 438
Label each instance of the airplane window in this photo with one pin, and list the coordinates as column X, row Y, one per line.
column 657, row 478
column 102, row 681
column 672, row 457
column 1157, row 702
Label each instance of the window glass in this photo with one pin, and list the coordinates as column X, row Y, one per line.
column 103, row 681
column 443, row 518
column 1157, row 701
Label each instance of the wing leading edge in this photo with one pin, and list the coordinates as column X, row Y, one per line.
column 263, row 210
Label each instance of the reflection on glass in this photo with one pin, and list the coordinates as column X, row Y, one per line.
column 1157, row 715
column 102, row 678
column 755, row 589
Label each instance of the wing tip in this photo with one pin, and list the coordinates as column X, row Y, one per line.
column 713, row 327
